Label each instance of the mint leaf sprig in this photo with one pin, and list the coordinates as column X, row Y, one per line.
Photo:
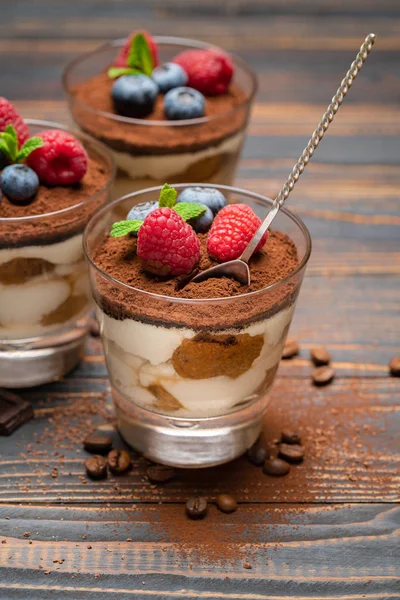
column 9, row 145
column 140, row 59
column 168, row 196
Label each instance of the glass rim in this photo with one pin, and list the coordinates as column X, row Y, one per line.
column 186, row 42
column 98, row 146
column 264, row 199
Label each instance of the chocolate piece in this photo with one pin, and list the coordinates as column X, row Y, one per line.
column 276, row 467
column 165, row 402
column 226, row 503
column 96, row 443
column 394, row 366
column 293, row 453
column 208, row 355
column 320, row 356
column 196, row 507
column 290, row 437
column 160, row 473
column 14, row 412
column 290, row 349
column 322, row 375
column 117, row 257
column 96, row 467
column 119, row 461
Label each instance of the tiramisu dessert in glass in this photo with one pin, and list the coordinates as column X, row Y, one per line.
column 51, row 182
column 190, row 363
column 171, row 109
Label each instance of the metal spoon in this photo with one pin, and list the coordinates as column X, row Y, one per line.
column 238, row 268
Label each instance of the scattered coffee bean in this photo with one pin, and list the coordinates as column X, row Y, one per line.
column 96, row 467
column 394, row 366
column 276, row 467
column 290, row 349
column 322, row 375
column 320, row 356
column 293, row 453
column 226, row 503
column 257, row 454
column 160, row 473
column 96, row 443
column 94, row 327
column 247, row 566
column 196, row 507
column 290, row 437
column 119, row 461
column 14, row 411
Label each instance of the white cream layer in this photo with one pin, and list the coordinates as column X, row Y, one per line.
column 169, row 165
column 139, row 355
column 60, row 253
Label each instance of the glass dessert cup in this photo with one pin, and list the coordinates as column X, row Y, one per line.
column 45, row 296
column 150, row 152
column 190, row 377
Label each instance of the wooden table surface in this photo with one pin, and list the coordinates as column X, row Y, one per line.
column 331, row 528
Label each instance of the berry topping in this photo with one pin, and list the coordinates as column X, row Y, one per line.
column 231, row 231
column 166, row 244
column 210, row 197
column 125, row 60
column 169, row 76
column 9, row 116
column 209, row 71
column 134, row 95
column 140, row 211
column 184, row 103
column 62, row 160
column 203, row 223
column 19, row 183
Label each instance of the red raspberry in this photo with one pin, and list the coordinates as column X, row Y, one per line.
column 9, row 116
column 232, row 230
column 166, row 244
column 121, row 60
column 62, row 160
column 209, row 71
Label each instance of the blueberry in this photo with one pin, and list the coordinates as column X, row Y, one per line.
column 184, row 103
column 134, row 95
column 140, row 211
column 169, row 76
column 3, row 161
column 210, row 197
column 19, row 183
column 203, row 223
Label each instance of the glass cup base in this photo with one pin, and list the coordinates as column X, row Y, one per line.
column 29, row 365
column 189, row 443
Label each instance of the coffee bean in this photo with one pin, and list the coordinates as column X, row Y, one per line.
column 96, row 467
column 119, row 461
column 290, row 437
column 14, row 411
column 196, row 507
column 322, row 375
column 394, row 366
column 226, row 503
column 96, row 443
column 276, row 467
column 94, row 327
column 290, row 349
column 320, row 356
column 293, row 453
column 257, row 454
column 160, row 473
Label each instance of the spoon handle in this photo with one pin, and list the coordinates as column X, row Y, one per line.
column 312, row 145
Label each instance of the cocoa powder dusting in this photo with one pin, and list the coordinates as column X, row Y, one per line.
column 48, row 230
column 117, row 257
column 95, row 93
